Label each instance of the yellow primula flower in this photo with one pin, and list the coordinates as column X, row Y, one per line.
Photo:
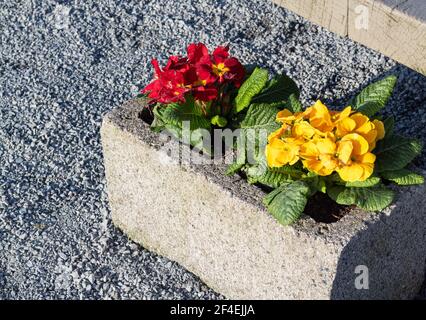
column 365, row 127
column 280, row 153
column 356, row 162
column 344, row 124
column 319, row 156
column 326, row 141
column 303, row 129
column 361, row 124
column 319, row 117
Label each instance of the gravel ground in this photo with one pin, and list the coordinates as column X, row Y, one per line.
column 64, row 64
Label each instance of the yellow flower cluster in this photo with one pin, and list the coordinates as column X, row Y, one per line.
column 326, row 142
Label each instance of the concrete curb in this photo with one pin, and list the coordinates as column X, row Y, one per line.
column 215, row 226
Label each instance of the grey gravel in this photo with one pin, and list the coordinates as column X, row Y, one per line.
column 63, row 64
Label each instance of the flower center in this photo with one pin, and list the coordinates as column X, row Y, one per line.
column 220, row 69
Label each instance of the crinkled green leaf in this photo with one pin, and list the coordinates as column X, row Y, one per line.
column 372, row 181
column 403, row 177
column 293, row 104
column 316, row 183
column 261, row 116
column 395, row 152
column 258, row 123
column 271, row 177
column 287, row 202
column 389, row 124
column 251, row 87
column 278, row 89
column 374, row 97
column 371, row 199
column 234, row 168
column 173, row 116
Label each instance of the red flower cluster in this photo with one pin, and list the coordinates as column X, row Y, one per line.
column 200, row 74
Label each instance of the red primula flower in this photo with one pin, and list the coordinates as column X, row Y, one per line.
column 220, row 67
column 169, row 84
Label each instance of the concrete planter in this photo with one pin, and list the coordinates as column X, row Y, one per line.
column 216, row 227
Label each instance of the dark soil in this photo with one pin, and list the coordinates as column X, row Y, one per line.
column 322, row 208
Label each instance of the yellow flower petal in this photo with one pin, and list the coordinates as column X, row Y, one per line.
column 329, row 163
column 345, row 113
column 344, row 151
column 285, row 116
column 368, row 171
column 368, row 131
column 359, row 118
column 366, row 158
column 320, row 117
column 303, row 129
column 309, row 150
column 345, row 126
column 313, row 165
column 295, row 141
column 351, row 173
column 278, row 133
column 380, row 129
column 360, row 145
column 279, row 153
column 326, row 146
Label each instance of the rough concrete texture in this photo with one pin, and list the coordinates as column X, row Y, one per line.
column 215, row 226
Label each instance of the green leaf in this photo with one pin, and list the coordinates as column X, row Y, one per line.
column 261, row 116
column 374, row 97
column 395, row 152
column 258, row 123
column 316, row 183
column 175, row 114
column 372, row 181
column 371, row 199
column 251, row 87
column 389, row 124
column 172, row 118
column 157, row 124
column 219, row 121
column 271, row 177
column 403, row 177
column 234, row 168
column 287, row 202
column 293, row 104
column 278, row 89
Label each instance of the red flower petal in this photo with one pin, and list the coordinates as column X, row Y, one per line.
column 220, row 54
column 196, row 51
column 205, row 93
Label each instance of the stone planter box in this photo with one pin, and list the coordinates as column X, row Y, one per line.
column 216, row 227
